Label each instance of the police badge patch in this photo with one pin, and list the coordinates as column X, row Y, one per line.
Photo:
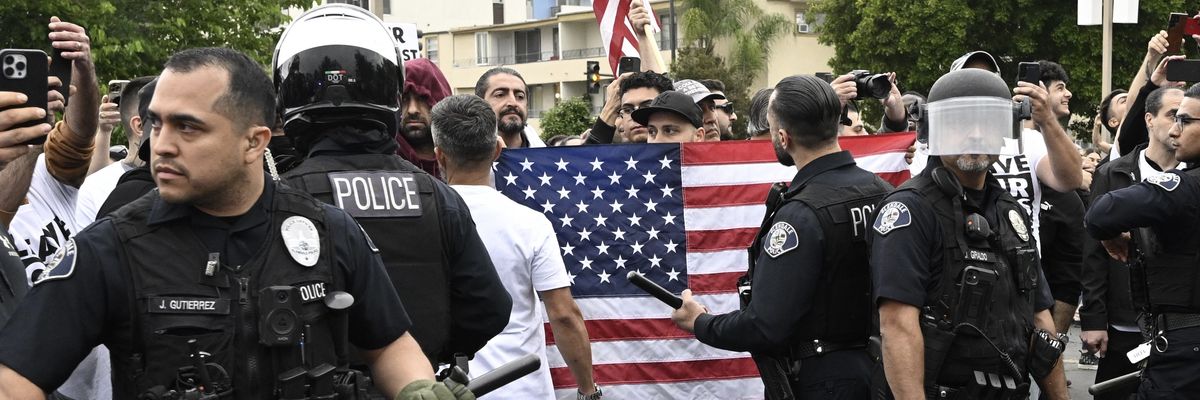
column 892, row 216
column 781, row 239
column 301, row 239
column 60, row 265
column 1018, row 225
column 1168, row 181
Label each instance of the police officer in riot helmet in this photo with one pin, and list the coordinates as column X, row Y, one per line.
column 806, row 315
column 339, row 76
column 1160, row 215
column 219, row 284
column 963, row 305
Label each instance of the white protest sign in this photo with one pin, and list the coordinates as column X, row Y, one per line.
column 405, row 35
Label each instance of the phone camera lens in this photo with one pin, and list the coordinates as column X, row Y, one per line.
column 8, row 71
column 9, row 60
column 20, row 65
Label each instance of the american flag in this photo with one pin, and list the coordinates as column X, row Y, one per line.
column 616, row 30
column 682, row 215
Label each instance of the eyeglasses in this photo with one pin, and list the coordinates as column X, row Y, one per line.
column 626, row 110
column 727, row 107
column 1182, row 120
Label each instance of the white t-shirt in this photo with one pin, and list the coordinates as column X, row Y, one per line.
column 1018, row 173
column 95, row 191
column 525, row 252
column 39, row 229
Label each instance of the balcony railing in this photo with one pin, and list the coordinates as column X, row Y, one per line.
column 583, row 53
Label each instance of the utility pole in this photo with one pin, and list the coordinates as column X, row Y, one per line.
column 1106, row 69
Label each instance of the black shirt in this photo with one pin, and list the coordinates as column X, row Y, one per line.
column 62, row 320
column 133, row 184
column 783, row 286
column 907, row 259
column 12, row 277
column 1169, row 204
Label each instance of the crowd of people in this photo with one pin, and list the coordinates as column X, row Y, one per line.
column 333, row 230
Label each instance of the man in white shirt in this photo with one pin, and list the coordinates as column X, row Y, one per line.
column 98, row 185
column 523, row 248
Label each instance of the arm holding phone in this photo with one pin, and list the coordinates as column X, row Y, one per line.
column 110, row 116
column 70, row 143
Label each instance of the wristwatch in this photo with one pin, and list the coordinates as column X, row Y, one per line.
column 594, row 396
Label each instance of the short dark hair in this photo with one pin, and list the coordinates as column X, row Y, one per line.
column 481, row 86
column 1154, row 101
column 1106, row 108
column 758, row 111
column 130, row 99
column 713, row 85
column 145, row 94
column 1193, row 92
column 1052, row 71
column 464, row 127
column 250, row 97
column 808, row 109
column 646, row 79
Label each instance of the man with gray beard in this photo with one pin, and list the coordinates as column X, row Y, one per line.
column 963, row 304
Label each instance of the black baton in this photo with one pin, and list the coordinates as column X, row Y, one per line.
column 1120, row 382
column 505, row 374
column 657, row 291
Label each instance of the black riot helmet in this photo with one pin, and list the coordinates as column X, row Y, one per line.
column 970, row 111
column 337, row 64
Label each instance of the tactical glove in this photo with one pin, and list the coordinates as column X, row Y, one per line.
column 429, row 390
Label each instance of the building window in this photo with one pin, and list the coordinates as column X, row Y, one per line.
column 387, row 7
column 497, row 12
column 808, row 23
column 431, row 49
column 481, row 48
column 364, row 4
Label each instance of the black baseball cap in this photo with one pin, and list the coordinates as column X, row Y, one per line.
column 673, row 102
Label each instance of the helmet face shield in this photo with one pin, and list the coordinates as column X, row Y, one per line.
column 969, row 125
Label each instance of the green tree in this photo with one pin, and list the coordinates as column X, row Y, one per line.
column 133, row 38
column 919, row 39
column 570, row 117
column 705, row 23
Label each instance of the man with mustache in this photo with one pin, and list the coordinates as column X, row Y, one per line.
column 194, row 271
column 424, row 87
column 806, row 318
column 505, row 90
column 955, row 266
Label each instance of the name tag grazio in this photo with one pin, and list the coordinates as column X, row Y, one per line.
column 187, row 305
column 376, row 194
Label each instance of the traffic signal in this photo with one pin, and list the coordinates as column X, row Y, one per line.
column 593, row 76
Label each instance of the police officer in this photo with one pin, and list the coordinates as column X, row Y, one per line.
column 960, row 293
column 221, row 283
column 808, row 317
column 339, row 96
column 1162, row 213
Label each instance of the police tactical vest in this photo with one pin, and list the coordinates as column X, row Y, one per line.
column 1171, row 276
column 985, row 287
column 182, row 292
column 396, row 204
column 842, row 309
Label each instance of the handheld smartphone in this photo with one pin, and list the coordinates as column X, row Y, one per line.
column 629, row 64
column 1180, row 26
column 25, row 71
column 1183, row 71
column 115, row 87
column 61, row 68
column 1029, row 72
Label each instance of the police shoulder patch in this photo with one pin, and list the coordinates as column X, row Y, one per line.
column 781, row 239
column 1168, row 181
column 892, row 216
column 60, row 265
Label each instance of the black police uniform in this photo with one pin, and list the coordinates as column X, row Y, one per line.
column 809, row 307
column 424, row 231
column 12, row 277
column 155, row 275
column 922, row 253
column 1162, row 213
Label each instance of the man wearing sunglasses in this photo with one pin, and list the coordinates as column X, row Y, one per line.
column 723, row 112
column 716, row 123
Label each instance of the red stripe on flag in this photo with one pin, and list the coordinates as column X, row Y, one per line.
column 720, row 239
column 724, row 282
column 658, row 372
column 603, row 330
column 758, row 151
column 721, row 196
column 895, row 178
